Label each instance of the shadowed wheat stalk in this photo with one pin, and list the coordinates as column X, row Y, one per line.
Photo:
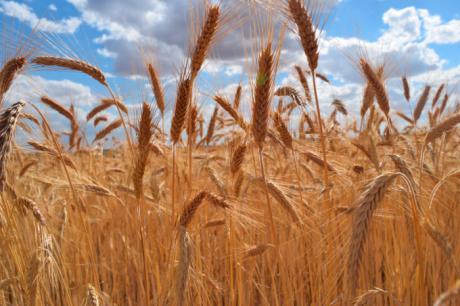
column 8, row 120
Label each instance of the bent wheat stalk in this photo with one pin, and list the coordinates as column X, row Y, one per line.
column 362, row 215
column 72, row 64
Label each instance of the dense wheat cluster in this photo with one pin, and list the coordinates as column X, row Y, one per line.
column 231, row 209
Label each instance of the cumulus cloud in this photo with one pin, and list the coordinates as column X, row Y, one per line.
column 106, row 53
column 160, row 26
column 438, row 32
column 126, row 29
column 32, row 87
column 25, row 14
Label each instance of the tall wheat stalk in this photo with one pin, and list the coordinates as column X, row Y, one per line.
column 260, row 113
column 309, row 41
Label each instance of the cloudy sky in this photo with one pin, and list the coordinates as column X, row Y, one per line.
column 419, row 38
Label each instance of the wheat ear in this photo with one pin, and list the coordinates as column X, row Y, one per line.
column 156, row 88
column 421, row 103
column 364, row 209
column 8, row 120
column 9, row 71
column 72, row 64
column 303, row 81
column 107, row 130
column 144, row 139
column 262, row 96
column 57, row 107
column 237, row 98
column 377, row 85
column 205, row 39
column 444, row 126
column 184, row 91
column 237, row 159
column 406, row 88
column 306, row 31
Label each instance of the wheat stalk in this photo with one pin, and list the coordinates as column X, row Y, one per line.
column 32, row 206
column 100, row 119
column 9, row 71
column 421, row 103
column 303, row 81
column 72, row 64
column 44, row 148
column 107, row 130
column 443, row 127
column 257, row 250
column 237, row 159
column 283, row 131
column 184, row 91
column 96, row 110
column 262, row 96
column 231, row 111
column 212, row 125
column 317, row 160
column 444, row 103
column 92, row 298
column 57, row 107
column 237, row 98
column 8, row 120
column 377, row 86
column 365, row 207
column 117, row 102
column 184, row 264
column 283, row 200
column 288, row 91
column 437, row 95
column 156, row 88
column 406, row 88
column 306, row 31
column 205, row 39
column 144, row 141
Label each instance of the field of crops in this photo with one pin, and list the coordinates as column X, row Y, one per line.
column 266, row 209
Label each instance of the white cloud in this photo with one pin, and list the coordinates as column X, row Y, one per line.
column 106, row 53
column 438, row 32
column 31, row 88
column 25, row 14
column 52, row 7
column 406, row 43
column 403, row 27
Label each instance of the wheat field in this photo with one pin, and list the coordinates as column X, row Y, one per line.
column 231, row 209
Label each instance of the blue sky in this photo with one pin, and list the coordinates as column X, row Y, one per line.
column 422, row 39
